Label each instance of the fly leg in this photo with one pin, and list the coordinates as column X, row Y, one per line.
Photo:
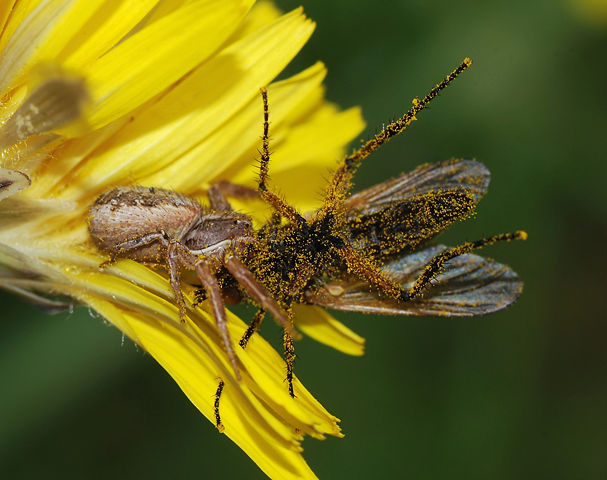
column 218, row 393
column 209, row 282
column 278, row 203
column 436, row 265
column 366, row 269
column 289, row 352
column 218, row 191
column 253, row 327
column 259, row 293
column 340, row 184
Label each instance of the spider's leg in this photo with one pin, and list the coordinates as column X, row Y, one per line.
column 134, row 243
column 209, row 282
column 219, row 191
column 175, row 277
column 256, row 291
column 142, row 241
column 217, row 199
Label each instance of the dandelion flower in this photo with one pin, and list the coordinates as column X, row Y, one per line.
column 162, row 94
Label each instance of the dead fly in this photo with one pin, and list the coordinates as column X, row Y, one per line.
column 369, row 252
column 366, row 252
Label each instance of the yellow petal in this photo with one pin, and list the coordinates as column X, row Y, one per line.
column 124, row 78
column 138, row 288
column 318, row 140
column 175, row 89
column 320, row 325
column 159, row 135
column 78, row 16
column 263, row 13
column 30, row 32
column 164, row 8
column 311, row 151
column 16, row 12
column 193, row 359
column 6, row 7
column 104, row 30
column 52, row 179
column 241, row 140
column 12, row 182
column 186, row 363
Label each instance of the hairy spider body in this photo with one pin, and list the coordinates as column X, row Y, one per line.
column 140, row 223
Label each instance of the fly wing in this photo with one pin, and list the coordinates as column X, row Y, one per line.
column 450, row 175
column 402, row 226
column 469, row 285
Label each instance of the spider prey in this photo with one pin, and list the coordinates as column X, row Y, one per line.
column 365, row 252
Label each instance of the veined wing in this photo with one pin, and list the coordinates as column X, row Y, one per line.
column 450, row 175
column 469, row 285
column 403, row 225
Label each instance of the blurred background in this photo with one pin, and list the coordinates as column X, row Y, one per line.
column 518, row 394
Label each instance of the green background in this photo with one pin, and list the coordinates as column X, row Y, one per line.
column 518, row 394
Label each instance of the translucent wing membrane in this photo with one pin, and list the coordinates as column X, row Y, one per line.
column 397, row 215
column 469, row 285
column 402, row 225
column 449, row 175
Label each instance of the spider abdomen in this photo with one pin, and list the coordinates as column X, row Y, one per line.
column 125, row 214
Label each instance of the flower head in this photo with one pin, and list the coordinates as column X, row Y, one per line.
column 163, row 95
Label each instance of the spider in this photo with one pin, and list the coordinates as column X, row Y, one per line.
column 163, row 227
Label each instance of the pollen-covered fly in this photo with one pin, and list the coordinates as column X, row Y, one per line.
column 367, row 252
